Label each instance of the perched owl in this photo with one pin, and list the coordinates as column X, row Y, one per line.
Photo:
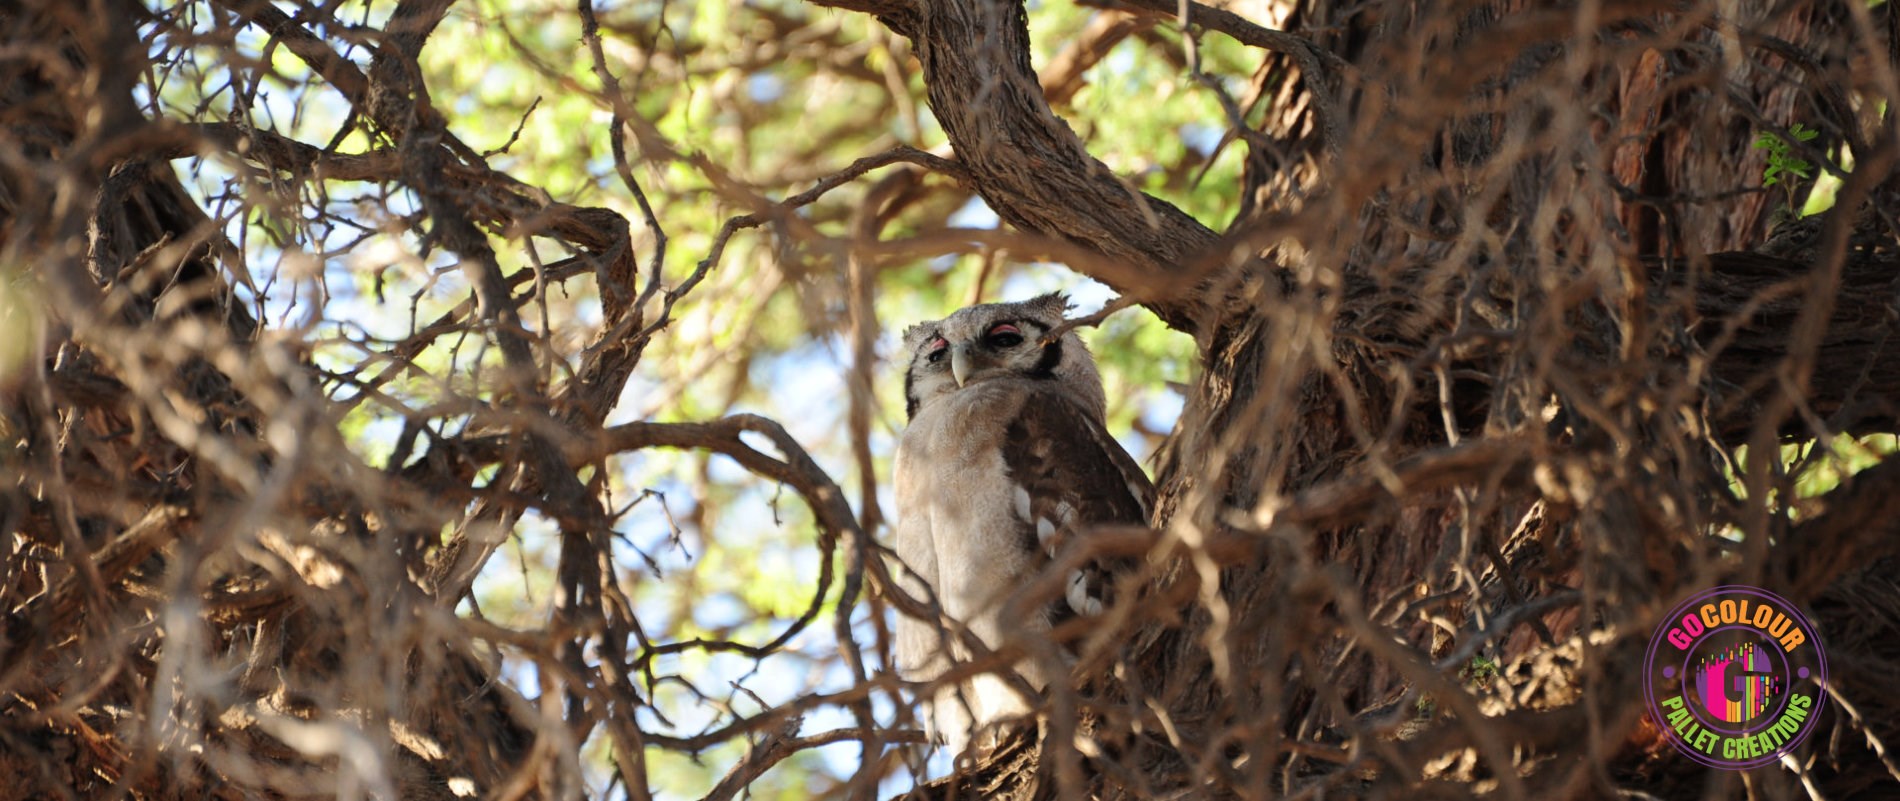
column 1005, row 456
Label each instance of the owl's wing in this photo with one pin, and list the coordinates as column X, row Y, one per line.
column 1070, row 475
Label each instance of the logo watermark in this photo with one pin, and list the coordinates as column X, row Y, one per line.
column 1735, row 676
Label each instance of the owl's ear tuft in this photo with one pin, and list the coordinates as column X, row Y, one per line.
column 916, row 335
column 1054, row 304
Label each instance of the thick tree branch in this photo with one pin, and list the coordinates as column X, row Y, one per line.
column 1030, row 167
column 1748, row 302
column 340, row 72
column 879, row 8
column 1859, row 525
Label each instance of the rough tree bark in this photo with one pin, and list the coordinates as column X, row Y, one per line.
column 1277, row 422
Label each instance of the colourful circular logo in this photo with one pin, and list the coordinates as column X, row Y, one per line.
column 1735, row 675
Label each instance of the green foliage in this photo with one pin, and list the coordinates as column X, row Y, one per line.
column 1813, row 468
column 1479, row 672
column 1158, row 146
column 1820, row 467
column 1785, row 169
column 19, row 321
column 1780, row 163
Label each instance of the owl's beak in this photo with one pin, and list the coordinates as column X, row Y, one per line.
column 960, row 363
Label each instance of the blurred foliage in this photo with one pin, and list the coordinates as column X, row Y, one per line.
column 1817, row 468
column 1820, row 466
column 19, row 320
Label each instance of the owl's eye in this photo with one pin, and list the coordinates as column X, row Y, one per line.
column 1005, row 335
column 938, row 347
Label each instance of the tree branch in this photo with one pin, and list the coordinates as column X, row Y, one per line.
column 339, row 71
column 1747, row 303
column 1860, row 525
column 1030, row 167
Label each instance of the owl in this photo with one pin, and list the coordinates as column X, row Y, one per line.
column 1005, row 456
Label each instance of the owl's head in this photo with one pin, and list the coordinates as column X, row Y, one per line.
column 998, row 340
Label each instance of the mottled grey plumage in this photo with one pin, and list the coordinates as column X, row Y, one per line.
column 1005, row 456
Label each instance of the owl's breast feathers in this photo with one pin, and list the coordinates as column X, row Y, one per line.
column 1056, row 467
column 992, row 482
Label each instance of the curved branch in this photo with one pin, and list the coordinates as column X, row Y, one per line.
column 783, row 742
column 1234, row 25
column 722, row 436
column 1026, row 162
column 797, row 469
